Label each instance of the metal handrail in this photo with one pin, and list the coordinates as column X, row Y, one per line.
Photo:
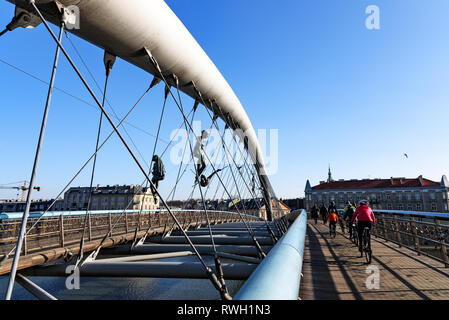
column 278, row 276
column 402, row 228
column 62, row 228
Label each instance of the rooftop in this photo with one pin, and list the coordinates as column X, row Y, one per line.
column 377, row 183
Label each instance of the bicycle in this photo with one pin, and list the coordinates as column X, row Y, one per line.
column 366, row 245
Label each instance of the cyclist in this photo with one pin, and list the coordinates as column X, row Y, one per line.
column 366, row 219
column 348, row 212
column 314, row 213
column 323, row 212
column 333, row 219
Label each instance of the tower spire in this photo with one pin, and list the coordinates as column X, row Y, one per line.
column 329, row 175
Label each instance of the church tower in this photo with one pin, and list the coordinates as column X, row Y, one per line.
column 329, row 175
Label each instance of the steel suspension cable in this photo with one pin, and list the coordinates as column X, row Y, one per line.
column 209, row 272
column 75, row 97
column 156, row 66
column 108, row 67
column 79, row 171
column 223, row 290
column 261, row 253
column 151, row 163
column 16, row 259
column 99, row 89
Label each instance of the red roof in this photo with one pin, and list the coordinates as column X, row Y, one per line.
column 379, row 183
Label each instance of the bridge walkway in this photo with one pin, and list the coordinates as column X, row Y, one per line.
column 334, row 270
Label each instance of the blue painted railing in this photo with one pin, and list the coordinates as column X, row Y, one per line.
column 52, row 214
column 278, row 276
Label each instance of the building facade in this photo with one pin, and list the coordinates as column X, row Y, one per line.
column 35, row 206
column 294, row 204
column 111, row 198
column 401, row 194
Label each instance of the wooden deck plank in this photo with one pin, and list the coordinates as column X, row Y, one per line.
column 334, row 270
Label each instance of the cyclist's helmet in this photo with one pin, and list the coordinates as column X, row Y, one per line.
column 363, row 202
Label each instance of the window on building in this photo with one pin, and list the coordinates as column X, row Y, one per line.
column 417, row 196
column 432, row 196
column 444, row 195
column 399, row 196
column 400, row 206
column 445, row 206
column 388, row 196
column 433, row 206
column 419, row 206
column 409, row 207
column 409, row 196
column 389, row 206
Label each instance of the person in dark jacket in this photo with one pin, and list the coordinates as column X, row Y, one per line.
column 314, row 213
column 333, row 206
column 158, row 172
column 323, row 212
column 204, row 181
column 348, row 212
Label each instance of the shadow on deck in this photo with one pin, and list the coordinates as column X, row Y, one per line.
column 334, row 270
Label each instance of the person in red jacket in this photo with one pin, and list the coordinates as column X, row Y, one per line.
column 333, row 219
column 365, row 218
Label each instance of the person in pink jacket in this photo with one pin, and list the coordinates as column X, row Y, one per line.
column 365, row 218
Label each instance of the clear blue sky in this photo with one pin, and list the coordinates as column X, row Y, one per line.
column 338, row 93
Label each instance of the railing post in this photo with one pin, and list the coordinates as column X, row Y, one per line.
column 375, row 232
column 89, row 226
column 61, row 230
column 384, row 227
column 25, row 246
column 126, row 222
column 442, row 244
column 110, row 223
column 159, row 216
column 398, row 235
column 415, row 235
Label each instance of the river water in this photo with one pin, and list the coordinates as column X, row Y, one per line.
column 126, row 288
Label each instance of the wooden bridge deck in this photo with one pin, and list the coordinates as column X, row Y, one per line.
column 334, row 270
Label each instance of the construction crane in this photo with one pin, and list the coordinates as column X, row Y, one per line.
column 24, row 188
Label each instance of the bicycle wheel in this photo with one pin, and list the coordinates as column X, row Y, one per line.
column 367, row 246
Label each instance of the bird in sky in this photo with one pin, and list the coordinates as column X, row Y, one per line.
column 406, row 155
